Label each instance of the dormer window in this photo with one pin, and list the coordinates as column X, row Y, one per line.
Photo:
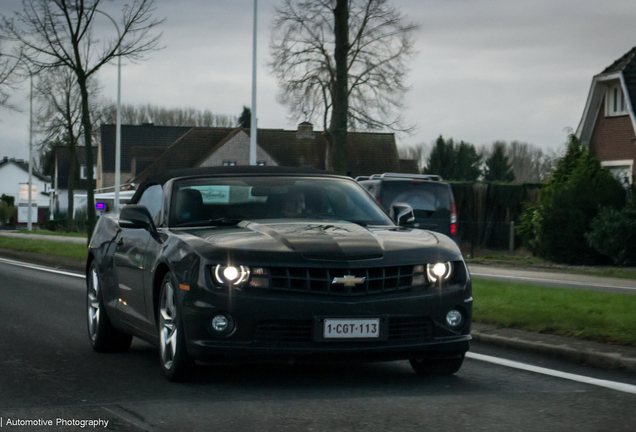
column 615, row 103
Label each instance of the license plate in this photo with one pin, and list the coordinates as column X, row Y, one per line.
column 351, row 328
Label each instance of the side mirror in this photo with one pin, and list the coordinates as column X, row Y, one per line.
column 402, row 214
column 136, row 216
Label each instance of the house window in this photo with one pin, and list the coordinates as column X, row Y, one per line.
column 83, row 172
column 229, row 163
column 615, row 103
column 622, row 170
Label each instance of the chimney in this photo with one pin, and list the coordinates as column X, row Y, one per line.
column 305, row 131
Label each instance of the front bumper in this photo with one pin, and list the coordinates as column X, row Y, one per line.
column 286, row 326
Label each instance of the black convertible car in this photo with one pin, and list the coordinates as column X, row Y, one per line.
column 260, row 264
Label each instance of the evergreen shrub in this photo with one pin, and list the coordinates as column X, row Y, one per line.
column 555, row 228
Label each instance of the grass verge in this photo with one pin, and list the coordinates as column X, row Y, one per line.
column 589, row 315
column 63, row 249
column 533, row 263
column 53, row 233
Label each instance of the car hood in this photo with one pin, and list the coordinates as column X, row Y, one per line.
column 276, row 240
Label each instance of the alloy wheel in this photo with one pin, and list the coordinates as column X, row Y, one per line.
column 167, row 324
column 94, row 310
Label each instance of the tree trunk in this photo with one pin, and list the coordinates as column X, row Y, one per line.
column 72, row 173
column 340, row 92
column 328, row 151
column 86, row 123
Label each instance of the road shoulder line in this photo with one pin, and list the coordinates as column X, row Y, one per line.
column 613, row 385
column 40, row 268
column 582, row 352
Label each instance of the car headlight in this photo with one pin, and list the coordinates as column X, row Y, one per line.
column 439, row 271
column 235, row 276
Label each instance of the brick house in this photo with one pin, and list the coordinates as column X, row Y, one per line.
column 608, row 125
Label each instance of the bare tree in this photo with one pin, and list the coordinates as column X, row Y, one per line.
column 59, row 119
column 529, row 163
column 373, row 40
column 161, row 116
column 418, row 153
column 59, row 33
column 8, row 78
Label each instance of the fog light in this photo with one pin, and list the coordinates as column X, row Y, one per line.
column 454, row 318
column 220, row 323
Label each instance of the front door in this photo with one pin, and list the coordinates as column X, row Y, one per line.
column 130, row 259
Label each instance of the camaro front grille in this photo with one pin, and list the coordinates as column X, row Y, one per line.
column 401, row 329
column 353, row 282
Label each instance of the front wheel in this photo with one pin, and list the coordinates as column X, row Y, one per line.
column 176, row 364
column 101, row 333
column 437, row 366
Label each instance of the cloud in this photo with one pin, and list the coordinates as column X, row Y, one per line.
column 486, row 69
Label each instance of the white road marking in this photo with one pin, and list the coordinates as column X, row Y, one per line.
column 41, row 268
column 627, row 388
column 560, row 281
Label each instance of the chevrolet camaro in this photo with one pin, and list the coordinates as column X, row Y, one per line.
column 264, row 264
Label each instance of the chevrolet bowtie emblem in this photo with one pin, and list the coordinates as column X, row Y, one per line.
column 348, row 280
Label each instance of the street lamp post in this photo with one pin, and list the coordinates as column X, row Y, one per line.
column 29, row 217
column 30, row 199
column 118, row 126
column 253, row 125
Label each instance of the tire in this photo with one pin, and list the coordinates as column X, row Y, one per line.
column 437, row 366
column 176, row 363
column 101, row 333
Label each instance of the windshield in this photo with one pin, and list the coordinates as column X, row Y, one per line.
column 227, row 201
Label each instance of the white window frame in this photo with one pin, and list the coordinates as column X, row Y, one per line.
column 621, row 163
column 83, row 172
column 615, row 101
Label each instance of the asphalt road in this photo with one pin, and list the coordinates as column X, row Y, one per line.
column 49, row 372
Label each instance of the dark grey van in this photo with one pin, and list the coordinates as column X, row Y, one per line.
column 432, row 199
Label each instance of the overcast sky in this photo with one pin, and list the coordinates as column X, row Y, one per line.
column 485, row 70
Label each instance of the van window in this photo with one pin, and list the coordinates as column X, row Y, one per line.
column 426, row 196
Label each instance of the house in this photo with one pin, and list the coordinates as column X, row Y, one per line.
column 140, row 145
column 608, row 125
column 60, row 178
column 13, row 173
column 368, row 153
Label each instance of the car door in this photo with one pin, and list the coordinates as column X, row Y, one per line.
column 130, row 261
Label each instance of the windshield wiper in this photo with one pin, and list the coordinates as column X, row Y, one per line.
column 211, row 222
